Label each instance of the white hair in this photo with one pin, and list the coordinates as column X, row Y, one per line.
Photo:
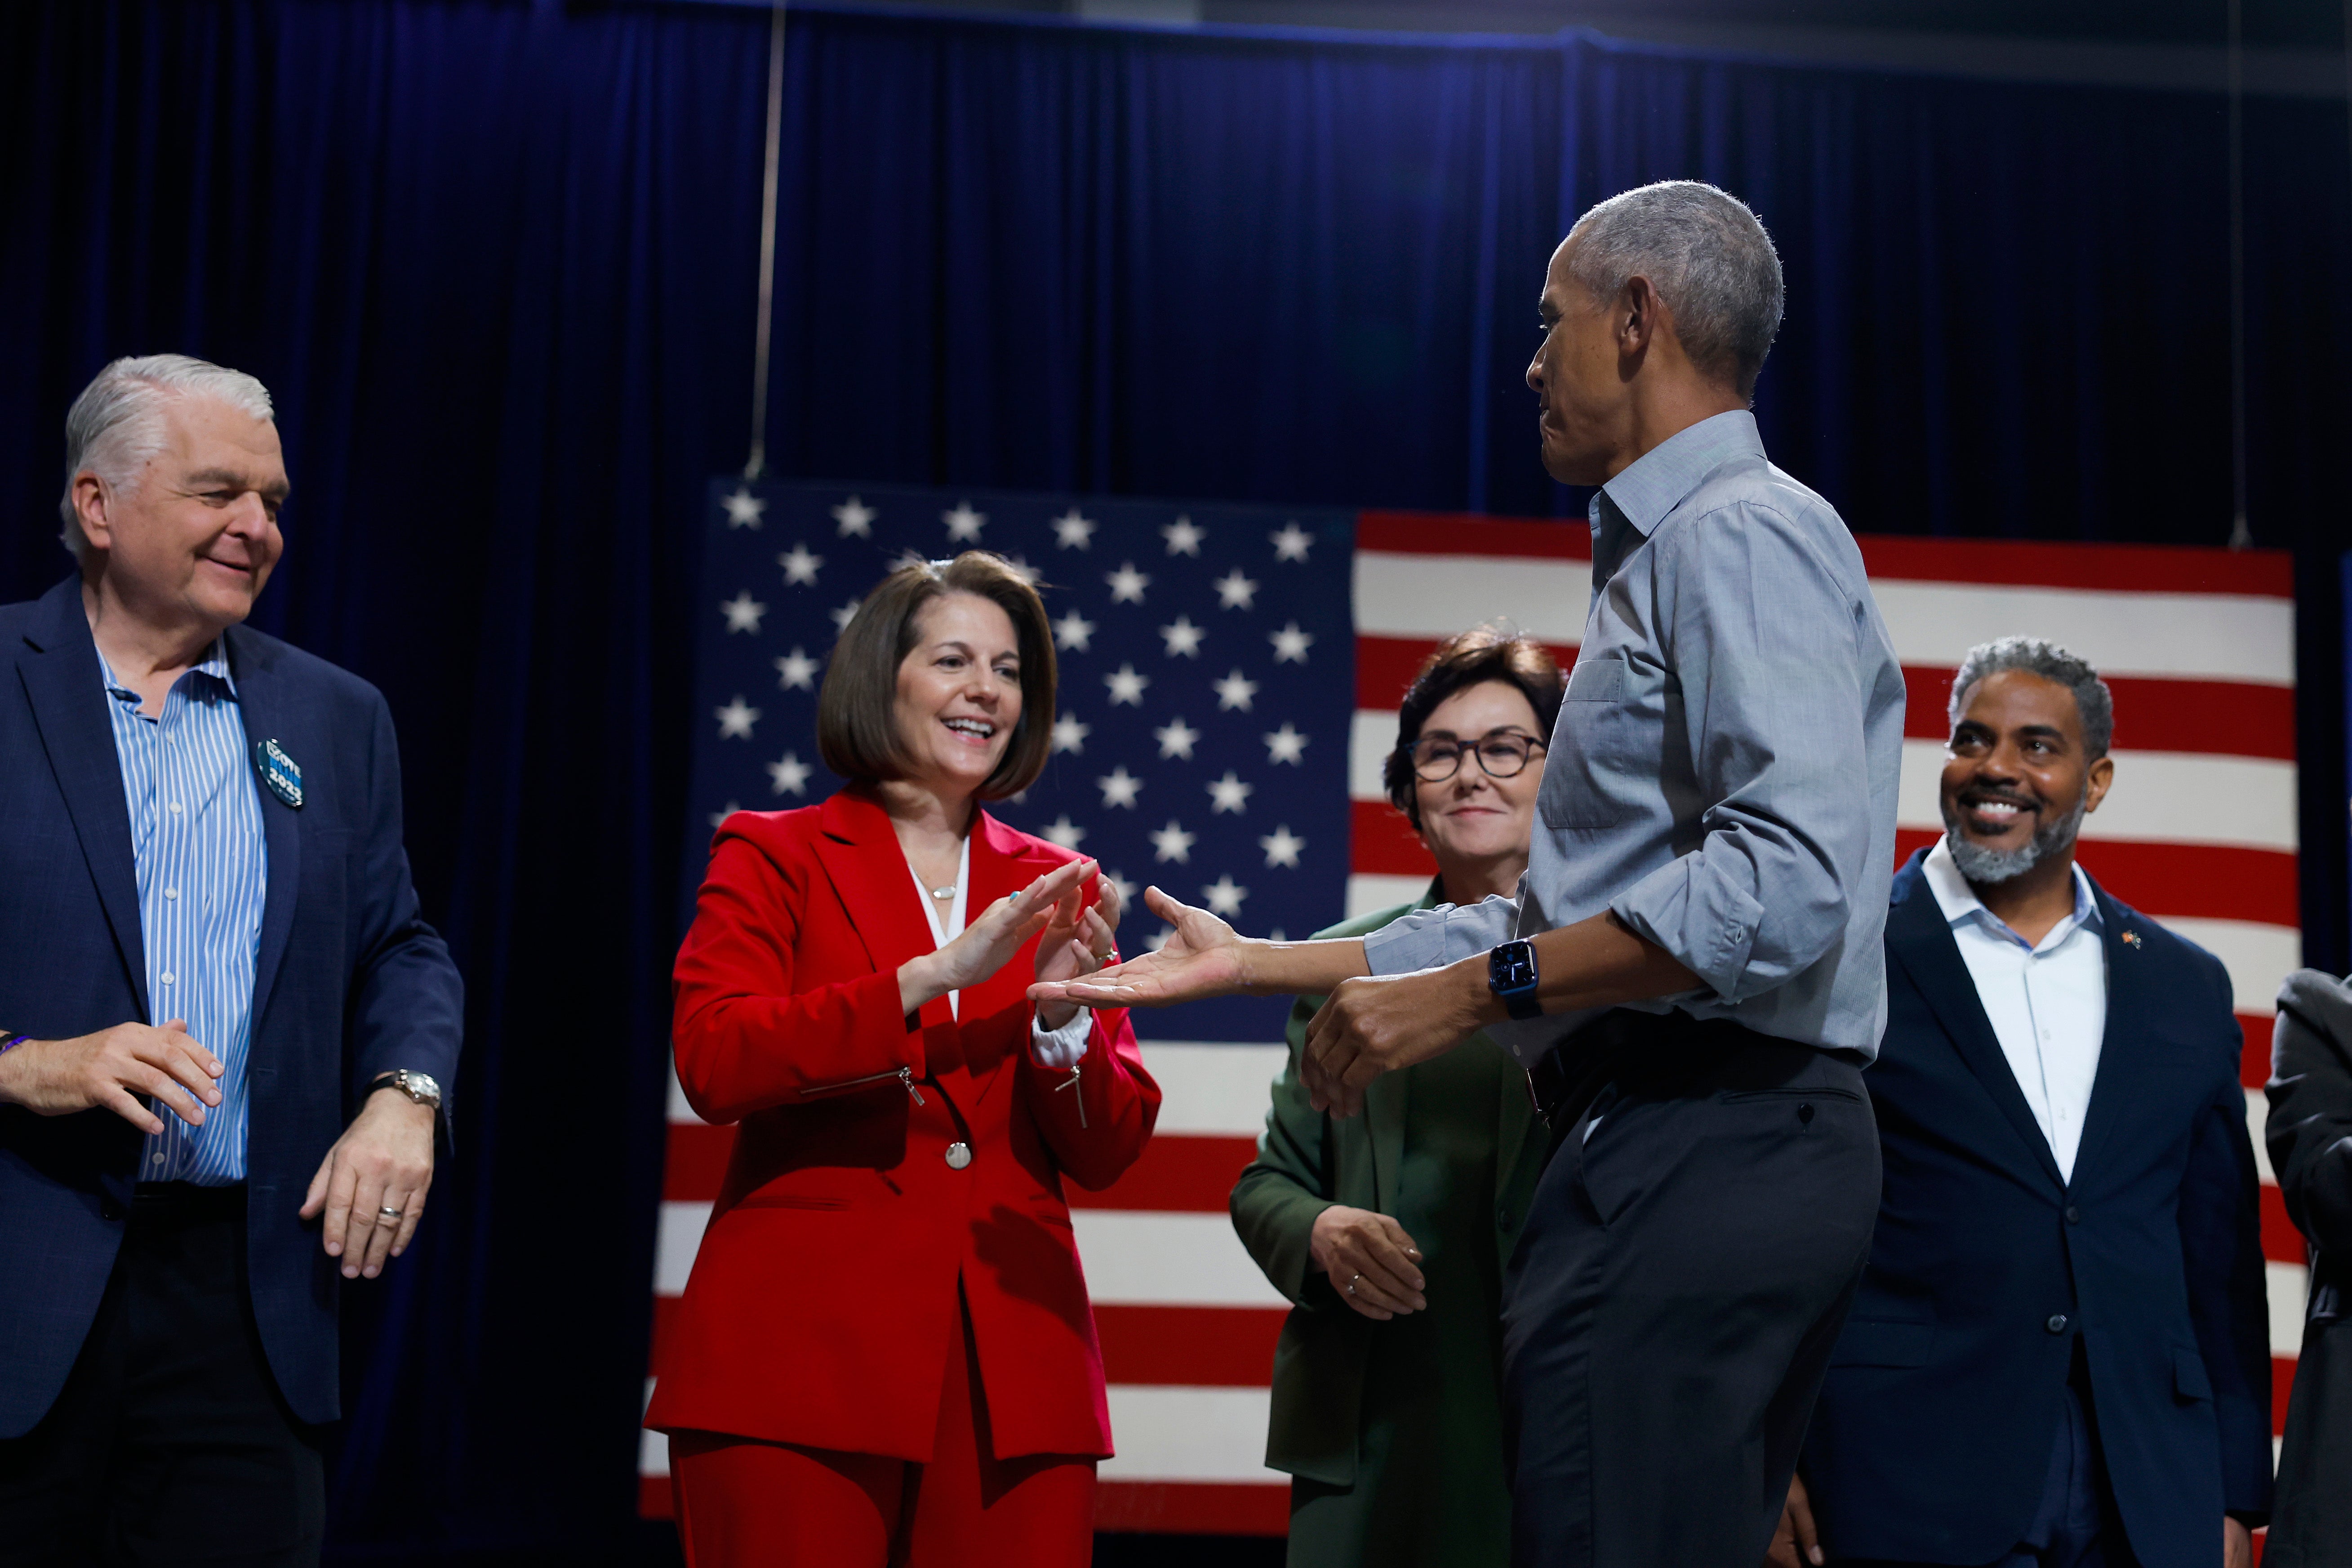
column 1709, row 260
column 115, row 427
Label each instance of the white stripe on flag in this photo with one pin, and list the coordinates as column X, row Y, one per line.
column 1214, row 1089
column 677, row 1236
column 2288, row 1283
column 1149, row 1258
column 1187, row 1434
column 652, row 1448
column 679, row 1110
column 2207, row 637
column 2162, row 798
column 2258, row 1115
column 1371, row 736
column 1437, row 597
column 2257, row 957
column 1367, row 893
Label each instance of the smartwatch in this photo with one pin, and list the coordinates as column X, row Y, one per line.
column 1511, row 976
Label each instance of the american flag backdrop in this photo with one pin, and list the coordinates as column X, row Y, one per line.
column 1229, row 683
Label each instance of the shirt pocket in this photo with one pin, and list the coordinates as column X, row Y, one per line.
column 1605, row 748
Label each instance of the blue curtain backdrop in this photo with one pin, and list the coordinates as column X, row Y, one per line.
column 498, row 263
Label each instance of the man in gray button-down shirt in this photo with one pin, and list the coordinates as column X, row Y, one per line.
column 1692, row 972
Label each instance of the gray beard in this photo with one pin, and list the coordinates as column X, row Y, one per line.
column 1979, row 864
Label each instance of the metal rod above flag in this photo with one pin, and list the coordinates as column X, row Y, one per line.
column 758, row 462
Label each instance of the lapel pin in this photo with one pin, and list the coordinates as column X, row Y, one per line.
column 2131, row 939
column 277, row 772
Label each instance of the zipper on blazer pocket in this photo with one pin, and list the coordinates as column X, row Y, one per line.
column 906, row 1077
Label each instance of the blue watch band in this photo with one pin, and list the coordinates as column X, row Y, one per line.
column 1511, row 976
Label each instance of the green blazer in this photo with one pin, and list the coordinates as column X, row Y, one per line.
column 1306, row 1163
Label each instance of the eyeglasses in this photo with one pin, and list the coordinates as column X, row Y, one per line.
column 1503, row 755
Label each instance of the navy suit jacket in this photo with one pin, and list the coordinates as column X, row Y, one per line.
column 1932, row 1439
column 350, row 983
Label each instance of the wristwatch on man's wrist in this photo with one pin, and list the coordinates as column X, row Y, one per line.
column 1511, row 976
column 419, row 1087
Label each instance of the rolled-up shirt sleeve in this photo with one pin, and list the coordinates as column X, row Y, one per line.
column 1447, row 933
column 1768, row 645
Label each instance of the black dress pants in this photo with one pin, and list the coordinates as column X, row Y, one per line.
column 170, row 1443
column 1682, row 1275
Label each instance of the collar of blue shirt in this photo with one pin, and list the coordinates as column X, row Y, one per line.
column 1960, row 902
column 1661, row 478
column 214, row 664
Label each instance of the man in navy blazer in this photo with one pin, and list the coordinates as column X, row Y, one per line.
column 224, row 1028
column 2059, row 1354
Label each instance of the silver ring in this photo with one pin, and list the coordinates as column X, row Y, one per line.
column 1351, row 1285
column 387, row 1212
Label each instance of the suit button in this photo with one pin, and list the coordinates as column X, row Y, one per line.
column 2057, row 1323
column 959, row 1155
column 2073, row 1214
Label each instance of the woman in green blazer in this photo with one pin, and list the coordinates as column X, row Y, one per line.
column 1390, row 1231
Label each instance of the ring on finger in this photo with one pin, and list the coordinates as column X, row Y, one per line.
column 388, row 1214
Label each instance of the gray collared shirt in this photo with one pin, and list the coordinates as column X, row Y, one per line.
column 1723, row 772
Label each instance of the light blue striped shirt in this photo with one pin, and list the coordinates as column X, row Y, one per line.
column 203, row 874
column 1723, row 773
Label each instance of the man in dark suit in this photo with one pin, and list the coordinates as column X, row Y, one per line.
column 224, row 1028
column 2059, row 1356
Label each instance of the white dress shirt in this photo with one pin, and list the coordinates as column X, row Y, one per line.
column 2047, row 1001
column 1059, row 1048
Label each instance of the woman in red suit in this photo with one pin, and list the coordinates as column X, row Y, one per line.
column 885, row 1353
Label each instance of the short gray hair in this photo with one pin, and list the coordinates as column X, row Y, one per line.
column 2093, row 701
column 116, row 426
column 1708, row 258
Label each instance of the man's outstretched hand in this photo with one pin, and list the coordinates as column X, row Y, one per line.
column 1203, row 958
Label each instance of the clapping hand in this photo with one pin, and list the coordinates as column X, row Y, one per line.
column 1203, row 958
column 1076, row 941
column 989, row 941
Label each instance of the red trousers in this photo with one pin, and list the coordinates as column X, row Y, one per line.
column 742, row 1502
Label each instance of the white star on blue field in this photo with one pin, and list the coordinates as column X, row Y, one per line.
column 1207, row 684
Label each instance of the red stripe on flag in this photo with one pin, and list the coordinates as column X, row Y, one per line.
column 2113, row 568
column 1385, row 668
column 1193, row 1508
column 1223, row 1347
column 1459, row 533
column 2226, row 717
column 696, row 1166
column 1382, row 843
column 1177, row 1173
column 2199, row 881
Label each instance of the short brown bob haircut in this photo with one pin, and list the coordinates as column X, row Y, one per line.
column 1480, row 654
column 858, row 707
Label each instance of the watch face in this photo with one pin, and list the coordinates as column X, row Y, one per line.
column 1513, row 967
column 421, row 1087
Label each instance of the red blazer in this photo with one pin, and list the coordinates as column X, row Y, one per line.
column 822, row 1303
